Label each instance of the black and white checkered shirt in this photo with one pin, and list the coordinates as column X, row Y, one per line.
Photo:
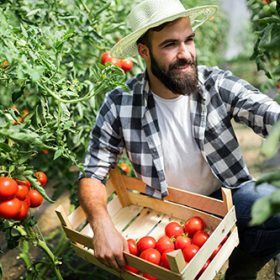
column 128, row 120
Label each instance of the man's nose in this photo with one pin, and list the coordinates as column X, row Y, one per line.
column 184, row 52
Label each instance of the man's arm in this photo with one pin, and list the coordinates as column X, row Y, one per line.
column 108, row 243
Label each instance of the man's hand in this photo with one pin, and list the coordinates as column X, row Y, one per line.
column 109, row 244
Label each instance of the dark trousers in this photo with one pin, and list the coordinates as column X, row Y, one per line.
column 258, row 244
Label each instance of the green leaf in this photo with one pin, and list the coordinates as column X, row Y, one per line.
column 5, row 148
column 58, row 153
column 271, row 145
column 261, row 211
column 269, row 177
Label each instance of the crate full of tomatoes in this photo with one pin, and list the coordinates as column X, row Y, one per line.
column 184, row 236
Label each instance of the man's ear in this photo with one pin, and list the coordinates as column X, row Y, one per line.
column 143, row 50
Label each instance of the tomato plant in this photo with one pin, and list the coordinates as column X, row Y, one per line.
column 22, row 192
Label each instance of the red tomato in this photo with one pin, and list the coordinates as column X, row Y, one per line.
column 42, row 178
column 105, row 57
column 182, row 241
column 126, row 64
column 150, row 277
column 132, row 247
column 22, row 192
column 193, row 225
column 131, row 269
column 164, row 260
column 8, row 188
column 200, row 237
column 151, row 255
column 190, row 251
column 146, row 242
column 23, row 212
column 173, row 229
column 36, row 198
column 203, row 268
column 164, row 244
column 9, row 209
column 125, row 167
column 24, row 182
column 215, row 252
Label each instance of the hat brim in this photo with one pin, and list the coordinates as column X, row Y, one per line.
column 127, row 47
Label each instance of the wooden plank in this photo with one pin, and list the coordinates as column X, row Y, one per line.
column 176, row 260
column 217, row 263
column 198, row 201
column 172, row 209
column 77, row 217
column 134, row 184
column 60, row 212
column 143, row 224
column 123, row 217
column 114, row 206
column 78, row 237
column 118, row 183
column 87, row 231
column 194, row 266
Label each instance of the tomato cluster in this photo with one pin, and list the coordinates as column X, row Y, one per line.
column 189, row 238
column 125, row 64
column 17, row 196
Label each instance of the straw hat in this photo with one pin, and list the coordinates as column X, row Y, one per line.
column 151, row 13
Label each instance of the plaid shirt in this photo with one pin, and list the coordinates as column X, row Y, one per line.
column 128, row 120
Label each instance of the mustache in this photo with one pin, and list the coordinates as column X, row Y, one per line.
column 181, row 62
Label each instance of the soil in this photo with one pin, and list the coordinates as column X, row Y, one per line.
column 48, row 222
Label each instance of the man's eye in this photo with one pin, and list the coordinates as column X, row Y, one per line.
column 169, row 45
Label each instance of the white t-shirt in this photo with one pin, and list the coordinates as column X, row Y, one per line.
column 184, row 165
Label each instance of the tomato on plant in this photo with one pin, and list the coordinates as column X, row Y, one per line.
column 9, row 209
column 125, row 167
column 151, row 255
column 193, row 225
column 22, row 192
column 146, row 242
column 105, row 57
column 182, row 241
column 23, row 212
column 164, row 244
column 36, row 198
column 8, row 188
column 24, row 182
column 190, row 251
column 200, row 237
column 173, row 229
column 126, row 64
column 42, row 177
column 132, row 247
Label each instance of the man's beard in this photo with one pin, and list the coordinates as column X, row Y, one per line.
column 184, row 83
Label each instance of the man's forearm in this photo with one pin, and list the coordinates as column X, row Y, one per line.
column 93, row 199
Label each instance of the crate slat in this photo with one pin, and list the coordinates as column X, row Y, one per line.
column 143, row 224
column 125, row 215
column 172, row 209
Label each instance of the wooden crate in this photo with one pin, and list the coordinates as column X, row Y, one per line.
column 136, row 214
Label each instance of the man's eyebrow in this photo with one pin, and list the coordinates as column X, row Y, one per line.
column 175, row 40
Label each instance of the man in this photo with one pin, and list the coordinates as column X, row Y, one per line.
column 174, row 124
